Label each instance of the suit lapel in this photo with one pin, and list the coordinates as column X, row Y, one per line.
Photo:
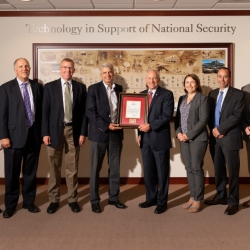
column 227, row 98
column 104, row 94
column 58, row 91
column 34, row 93
column 16, row 90
column 156, row 96
column 194, row 103
column 75, row 93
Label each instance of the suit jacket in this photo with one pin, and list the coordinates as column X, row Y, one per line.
column 13, row 120
column 246, row 112
column 159, row 115
column 197, row 118
column 53, row 111
column 230, row 118
column 98, row 112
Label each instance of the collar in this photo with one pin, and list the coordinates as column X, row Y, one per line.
column 107, row 87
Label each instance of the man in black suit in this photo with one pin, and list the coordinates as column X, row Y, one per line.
column 20, row 134
column 64, row 127
column 104, row 135
column 155, row 142
column 226, row 107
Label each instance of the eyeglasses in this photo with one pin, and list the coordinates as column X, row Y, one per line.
column 69, row 68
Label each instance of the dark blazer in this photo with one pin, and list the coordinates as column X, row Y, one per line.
column 159, row 115
column 230, row 118
column 53, row 111
column 197, row 118
column 98, row 112
column 13, row 121
column 246, row 112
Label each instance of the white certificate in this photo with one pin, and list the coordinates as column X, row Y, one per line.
column 133, row 109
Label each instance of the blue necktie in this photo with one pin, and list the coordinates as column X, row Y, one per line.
column 217, row 110
column 26, row 99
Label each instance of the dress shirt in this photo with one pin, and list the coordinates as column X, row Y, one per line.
column 224, row 94
column 112, row 102
column 184, row 110
column 71, row 94
column 153, row 91
column 30, row 95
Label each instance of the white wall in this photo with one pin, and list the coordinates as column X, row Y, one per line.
column 16, row 41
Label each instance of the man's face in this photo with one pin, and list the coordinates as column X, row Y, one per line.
column 152, row 80
column 107, row 75
column 223, row 78
column 67, row 70
column 22, row 70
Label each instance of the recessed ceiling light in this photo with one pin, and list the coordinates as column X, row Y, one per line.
column 26, row 0
column 157, row 0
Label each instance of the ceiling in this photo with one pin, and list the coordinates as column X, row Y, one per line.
column 49, row 5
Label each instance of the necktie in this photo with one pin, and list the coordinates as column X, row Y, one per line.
column 112, row 104
column 68, row 103
column 26, row 99
column 217, row 110
column 150, row 97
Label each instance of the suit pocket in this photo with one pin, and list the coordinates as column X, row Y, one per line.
column 11, row 126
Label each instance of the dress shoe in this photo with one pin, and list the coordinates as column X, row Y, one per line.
column 216, row 202
column 8, row 212
column 146, row 204
column 31, row 208
column 96, row 208
column 160, row 209
column 1, row 211
column 246, row 204
column 117, row 204
column 52, row 208
column 74, row 207
column 231, row 210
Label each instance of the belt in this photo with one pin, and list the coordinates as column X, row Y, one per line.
column 69, row 124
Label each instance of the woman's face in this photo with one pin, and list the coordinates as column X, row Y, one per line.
column 190, row 85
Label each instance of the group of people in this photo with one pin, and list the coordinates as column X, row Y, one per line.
column 62, row 114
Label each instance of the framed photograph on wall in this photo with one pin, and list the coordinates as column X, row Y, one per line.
column 131, row 62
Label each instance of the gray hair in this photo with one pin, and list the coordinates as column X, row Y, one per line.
column 21, row 58
column 106, row 65
column 156, row 72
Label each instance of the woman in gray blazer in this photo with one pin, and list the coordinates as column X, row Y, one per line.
column 190, row 128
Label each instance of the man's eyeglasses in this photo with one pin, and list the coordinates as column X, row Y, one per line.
column 69, row 68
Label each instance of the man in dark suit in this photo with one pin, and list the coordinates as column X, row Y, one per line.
column 64, row 127
column 155, row 142
column 20, row 134
column 246, row 127
column 104, row 135
column 226, row 107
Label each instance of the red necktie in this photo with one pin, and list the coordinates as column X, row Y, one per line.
column 150, row 95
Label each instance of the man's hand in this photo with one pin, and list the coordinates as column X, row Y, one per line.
column 46, row 140
column 145, row 127
column 81, row 140
column 247, row 130
column 114, row 126
column 217, row 134
column 139, row 140
column 5, row 143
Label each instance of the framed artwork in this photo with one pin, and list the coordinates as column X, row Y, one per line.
column 131, row 62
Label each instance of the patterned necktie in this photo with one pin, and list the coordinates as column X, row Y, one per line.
column 150, row 97
column 68, row 103
column 26, row 99
column 217, row 110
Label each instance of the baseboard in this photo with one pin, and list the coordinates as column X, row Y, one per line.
column 133, row 180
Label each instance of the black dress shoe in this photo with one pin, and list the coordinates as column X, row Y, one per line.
column 1, row 211
column 231, row 210
column 117, row 204
column 8, row 212
column 74, row 207
column 215, row 202
column 146, row 204
column 31, row 208
column 96, row 208
column 160, row 209
column 52, row 208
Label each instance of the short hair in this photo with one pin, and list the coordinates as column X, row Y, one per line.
column 68, row 60
column 21, row 58
column 225, row 68
column 196, row 79
column 157, row 73
column 106, row 65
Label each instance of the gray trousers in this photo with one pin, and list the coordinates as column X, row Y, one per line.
column 193, row 156
column 97, row 152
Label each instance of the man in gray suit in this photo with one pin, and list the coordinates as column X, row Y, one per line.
column 226, row 108
column 246, row 127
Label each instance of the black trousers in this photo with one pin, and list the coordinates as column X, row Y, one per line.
column 221, row 159
column 15, row 159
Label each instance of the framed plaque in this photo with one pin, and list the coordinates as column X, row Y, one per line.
column 133, row 110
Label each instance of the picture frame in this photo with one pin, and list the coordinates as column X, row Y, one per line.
column 132, row 110
column 132, row 61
